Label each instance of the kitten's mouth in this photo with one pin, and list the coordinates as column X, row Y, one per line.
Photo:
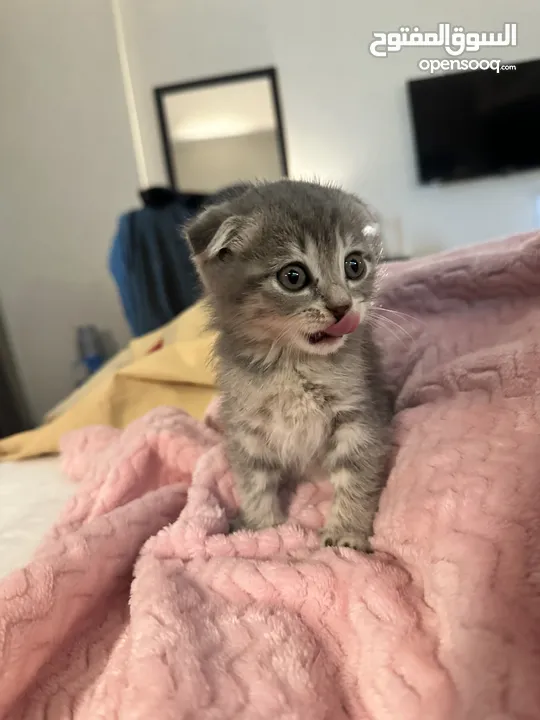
column 321, row 337
column 335, row 332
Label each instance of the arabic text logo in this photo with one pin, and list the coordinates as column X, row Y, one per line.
column 453, row 40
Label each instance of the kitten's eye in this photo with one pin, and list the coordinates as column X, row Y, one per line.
column 293, row 277
column 355, row 266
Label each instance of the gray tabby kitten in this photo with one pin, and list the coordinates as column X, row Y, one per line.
column 288, row 268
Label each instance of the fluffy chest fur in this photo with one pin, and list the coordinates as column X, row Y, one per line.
column 299, row 419
column 288, row 416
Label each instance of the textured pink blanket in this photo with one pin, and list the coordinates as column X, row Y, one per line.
column 138, row 605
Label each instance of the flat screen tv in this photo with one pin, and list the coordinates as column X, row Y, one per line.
column 477, row 123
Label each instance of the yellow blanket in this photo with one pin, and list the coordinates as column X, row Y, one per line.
column 167, row 367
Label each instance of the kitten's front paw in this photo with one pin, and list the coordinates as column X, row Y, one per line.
column 338, row 537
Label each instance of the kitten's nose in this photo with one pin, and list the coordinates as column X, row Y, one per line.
column 339, row 311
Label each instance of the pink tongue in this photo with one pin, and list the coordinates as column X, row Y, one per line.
column 345, row 326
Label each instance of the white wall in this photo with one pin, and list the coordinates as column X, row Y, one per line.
column 66, row 171
column 345, row 112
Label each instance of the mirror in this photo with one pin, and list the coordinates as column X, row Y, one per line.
column 220, row 131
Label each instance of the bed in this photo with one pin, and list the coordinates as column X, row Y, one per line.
column 32, row 494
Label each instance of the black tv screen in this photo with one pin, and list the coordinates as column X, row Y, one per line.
column 476, row 123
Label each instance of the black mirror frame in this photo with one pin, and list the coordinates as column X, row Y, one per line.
column 161, row 92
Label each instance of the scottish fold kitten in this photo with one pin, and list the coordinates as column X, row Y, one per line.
column 289, row 271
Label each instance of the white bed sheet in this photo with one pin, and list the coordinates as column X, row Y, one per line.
column 32, row 494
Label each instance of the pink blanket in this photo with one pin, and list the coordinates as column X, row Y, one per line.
column 138, row 605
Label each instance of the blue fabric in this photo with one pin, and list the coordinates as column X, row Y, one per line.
column 93, row 363
column 151, row 265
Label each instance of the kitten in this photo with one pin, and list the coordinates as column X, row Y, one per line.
column 288, row 268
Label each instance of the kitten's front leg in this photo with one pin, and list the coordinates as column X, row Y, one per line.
column 357, row 464
column 258, row 482
column 259, row 500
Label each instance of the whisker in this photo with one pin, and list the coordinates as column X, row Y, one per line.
column 399, row 313
column 378, row 324
column 389, row 319
column 390, row 322
column 390, row 333
column 275, row 346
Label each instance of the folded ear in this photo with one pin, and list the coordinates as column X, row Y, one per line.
column 214, row 230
